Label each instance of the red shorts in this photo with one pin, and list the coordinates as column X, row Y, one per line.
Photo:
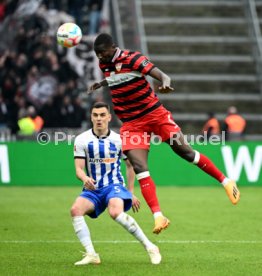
column 137, row 133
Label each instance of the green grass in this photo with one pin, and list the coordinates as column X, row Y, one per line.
column 208, row 235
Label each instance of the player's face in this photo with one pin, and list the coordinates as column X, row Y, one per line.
column 105, row 53
column 100, row 118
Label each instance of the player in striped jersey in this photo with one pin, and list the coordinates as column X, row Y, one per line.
column 138, row 107
column 98, row 153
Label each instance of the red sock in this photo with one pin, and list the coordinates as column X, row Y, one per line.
column 148, row 189
column 208, row 166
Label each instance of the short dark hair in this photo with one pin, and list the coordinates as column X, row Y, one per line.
column 103, row 39
column 100, row 105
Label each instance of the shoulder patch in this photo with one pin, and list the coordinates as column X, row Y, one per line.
column 145, row 62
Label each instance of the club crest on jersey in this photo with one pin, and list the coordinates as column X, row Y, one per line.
column 118, row 67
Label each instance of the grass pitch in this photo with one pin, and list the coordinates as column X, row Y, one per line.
column 207, row 235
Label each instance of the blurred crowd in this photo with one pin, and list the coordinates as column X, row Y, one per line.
column 37, row 74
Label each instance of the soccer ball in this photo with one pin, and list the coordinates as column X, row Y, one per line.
column 69, row 35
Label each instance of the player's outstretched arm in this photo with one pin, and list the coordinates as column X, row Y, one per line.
column 163, row 78
column 97, row 85
column 130, row 175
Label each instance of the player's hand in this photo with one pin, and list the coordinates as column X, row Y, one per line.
column 166, row 85
column 135, row 204
column 89, row 183
column 165, row 89
column 93, row 87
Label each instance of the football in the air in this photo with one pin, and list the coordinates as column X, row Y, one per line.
column 69, row 35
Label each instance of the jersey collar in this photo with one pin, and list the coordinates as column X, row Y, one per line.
column 117, row 54
column 101, row 137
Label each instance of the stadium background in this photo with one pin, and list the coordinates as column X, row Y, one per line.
column 210, row 48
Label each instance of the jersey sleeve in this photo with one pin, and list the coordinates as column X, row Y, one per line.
column 79, row 149
column 142, row 63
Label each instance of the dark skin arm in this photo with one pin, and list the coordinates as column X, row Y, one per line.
column 97, row 85
column 163, row 78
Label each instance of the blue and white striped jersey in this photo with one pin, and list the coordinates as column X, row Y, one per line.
column 103, row 157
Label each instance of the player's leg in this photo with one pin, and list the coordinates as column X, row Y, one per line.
column 81, row 207
column 138, row 158
column 116, row 211
column 184, row 150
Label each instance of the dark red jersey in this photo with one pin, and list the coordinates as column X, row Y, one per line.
column 132, row 95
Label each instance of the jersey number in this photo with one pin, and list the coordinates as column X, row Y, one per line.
column 117, row 190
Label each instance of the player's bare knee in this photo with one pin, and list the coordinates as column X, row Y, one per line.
column 114, row 213
column 75, row 211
